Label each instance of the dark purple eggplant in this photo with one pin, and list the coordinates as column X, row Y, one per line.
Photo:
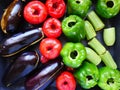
column 20, row 41
column 12, row 16
column 21, row 67
column 44, row 76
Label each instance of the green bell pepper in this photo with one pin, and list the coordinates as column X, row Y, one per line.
column 87, row 75
column 73, row 54
column 78, row 7
column 108, row 8
column 109, row 79
column 73, row 28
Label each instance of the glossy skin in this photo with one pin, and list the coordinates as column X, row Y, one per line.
column 73, row 54
column 73, row 28
column 10, row 16
column 50, row 48
column 109, row 78
column 35, row 12
column 66, row 81
column 78, row 7
column 19, row 42
column 108, row 8
column 21, row 67
column 44, row 75
column 56, row 8
column 87, row 75
column 52, row 28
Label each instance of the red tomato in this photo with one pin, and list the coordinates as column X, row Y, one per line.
column 52, row 28
column 35, row 12
column 50, row 48
column 56, row 8
column 66, row 81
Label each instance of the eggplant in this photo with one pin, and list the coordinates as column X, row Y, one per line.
column 44, row 76
column 21, row 67
column 20, row 41
column 12, row 16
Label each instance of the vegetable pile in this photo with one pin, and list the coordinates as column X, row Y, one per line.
column 56, row 40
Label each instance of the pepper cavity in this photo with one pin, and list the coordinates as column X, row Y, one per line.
column 20, row 41
column 12, row 16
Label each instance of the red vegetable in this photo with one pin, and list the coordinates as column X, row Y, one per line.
column 50, row 48
column 56, row 8
column 44, row 59
column 70, row 69
column 52, row 28
column 35, row 12
column 66, row 81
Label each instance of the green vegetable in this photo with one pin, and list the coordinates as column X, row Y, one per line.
column 73, row 54
column 109, row 36
column 78, row 7
column 108, row 60
column 92, row 56
column 90, row 32
column 97, row 46
column 95, row 20
column 87, row 75
column 109, row 79
column 108, row 8
column 73, row 28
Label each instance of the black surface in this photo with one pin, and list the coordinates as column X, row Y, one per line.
column 114, row 50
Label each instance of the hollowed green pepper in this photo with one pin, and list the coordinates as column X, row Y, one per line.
column 87, row 75
column 73, row 28
column 109, row 79
column 73, row 54
column 78, row 7
column 108, row 8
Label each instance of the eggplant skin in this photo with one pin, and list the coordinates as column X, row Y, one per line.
column 21, row 67
column 40, row 79
column 20, row 41
column 12, row 16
